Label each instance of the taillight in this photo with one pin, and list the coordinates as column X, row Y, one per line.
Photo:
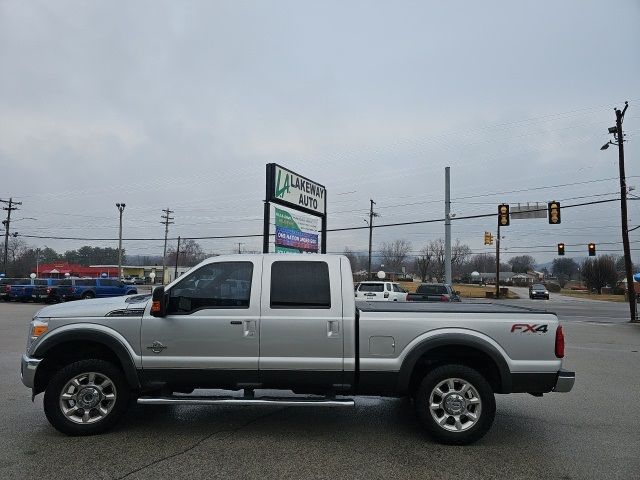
column 48, row 290
column 444, row 298
column 559, row 342
column 386, row 294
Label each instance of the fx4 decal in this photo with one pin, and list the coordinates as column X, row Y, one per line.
column 527, row 328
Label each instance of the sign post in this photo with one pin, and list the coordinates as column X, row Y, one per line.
column 294, row 191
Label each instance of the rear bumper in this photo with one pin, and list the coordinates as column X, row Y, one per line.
column 28, row 367
column 565, row 381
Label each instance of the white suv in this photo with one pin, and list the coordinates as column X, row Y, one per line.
column 381, row 291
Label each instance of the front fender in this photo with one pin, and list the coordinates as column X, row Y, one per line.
column 101, row 334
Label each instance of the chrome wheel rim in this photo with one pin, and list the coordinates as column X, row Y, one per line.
column 88, row 398
column 455, row 405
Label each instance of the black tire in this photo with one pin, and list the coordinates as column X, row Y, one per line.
column 52, row 401
column 471, row 431
column 88, row 295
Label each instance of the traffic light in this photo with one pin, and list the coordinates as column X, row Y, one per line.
column 554, row 212
column 488, row 238
column 503, row 215
column 561, row 249
column 592, row 249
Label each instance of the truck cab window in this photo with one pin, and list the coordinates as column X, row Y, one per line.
column 300, row 285
column 216, row 285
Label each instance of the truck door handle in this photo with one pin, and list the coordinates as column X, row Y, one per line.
column 236, row 322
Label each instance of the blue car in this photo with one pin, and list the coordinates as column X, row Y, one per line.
column 18, row 289
column 83, row 288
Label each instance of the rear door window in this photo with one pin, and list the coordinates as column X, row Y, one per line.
column 300, row 285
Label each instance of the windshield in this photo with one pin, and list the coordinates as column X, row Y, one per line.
column 537, row 286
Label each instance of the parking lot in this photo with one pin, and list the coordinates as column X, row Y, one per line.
column 591, row 432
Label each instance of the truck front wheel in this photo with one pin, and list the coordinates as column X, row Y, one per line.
column 455, row 404
column 86, row 397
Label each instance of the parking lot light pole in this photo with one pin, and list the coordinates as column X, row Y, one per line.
column 120, row 209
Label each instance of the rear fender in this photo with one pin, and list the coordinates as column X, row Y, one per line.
column 475, row 340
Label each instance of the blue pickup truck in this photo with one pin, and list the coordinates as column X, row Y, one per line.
column 82, row 288
column 18, row 289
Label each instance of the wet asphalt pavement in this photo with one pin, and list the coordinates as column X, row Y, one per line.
column 591, row 432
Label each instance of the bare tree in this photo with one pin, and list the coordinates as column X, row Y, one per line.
column 354, row 259
column 459, row 256
column 599, row 272
column 564, row 269
column 423, row 263
column 394, row 254
column 522, row 263
column 191, row 253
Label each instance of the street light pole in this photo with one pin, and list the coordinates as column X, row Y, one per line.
column 623, row 211
column 120, row 209
column 619, row 136
column 371, row 215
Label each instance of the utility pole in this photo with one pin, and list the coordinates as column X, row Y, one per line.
column 167, row 219
column 498, row 262
column 120, row 207
column 631, row 291
column 7, row 223
column 371, row 215
column 239, row 247
column 175, row 272
column 447, row 225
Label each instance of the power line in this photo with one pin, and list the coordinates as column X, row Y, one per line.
column 383, row 225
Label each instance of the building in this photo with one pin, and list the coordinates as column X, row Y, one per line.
column 66, row 269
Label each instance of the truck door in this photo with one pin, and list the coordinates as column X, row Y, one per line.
column 210, row 335
column 301, row 327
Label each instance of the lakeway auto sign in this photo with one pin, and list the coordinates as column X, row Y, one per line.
column 296, row 191
column 289, row 189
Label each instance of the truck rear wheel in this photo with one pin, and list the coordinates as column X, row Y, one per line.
column 455, row 404
column 86, row 397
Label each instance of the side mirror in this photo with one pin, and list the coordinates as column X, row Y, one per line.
column 158, row 302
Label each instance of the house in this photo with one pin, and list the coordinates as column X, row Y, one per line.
column 525, row 279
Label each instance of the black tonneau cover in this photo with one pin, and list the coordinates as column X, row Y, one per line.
column 446, row 307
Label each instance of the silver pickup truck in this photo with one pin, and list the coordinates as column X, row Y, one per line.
column 286, row 322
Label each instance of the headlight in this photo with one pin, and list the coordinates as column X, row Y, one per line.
column 37, row 328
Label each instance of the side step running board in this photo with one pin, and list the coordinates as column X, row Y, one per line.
column 285, row 402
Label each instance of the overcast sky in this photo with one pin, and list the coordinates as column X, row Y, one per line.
column 181, row 104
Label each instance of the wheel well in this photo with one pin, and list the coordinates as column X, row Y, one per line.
column 460, row 355
column 69, row 352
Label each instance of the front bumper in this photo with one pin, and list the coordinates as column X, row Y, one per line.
column 565, row 381
column 28, row 367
